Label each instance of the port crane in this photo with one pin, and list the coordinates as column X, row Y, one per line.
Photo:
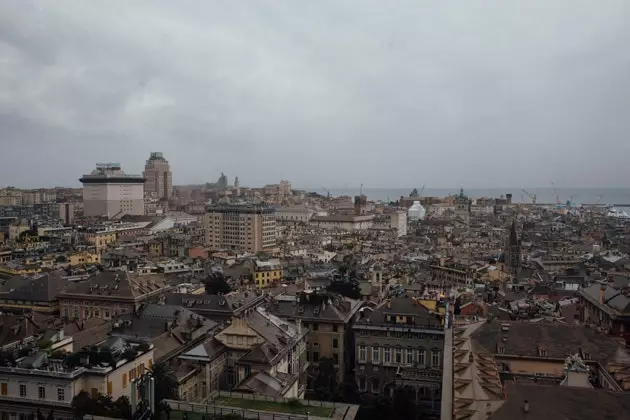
column 555, row 192
column 530, row 195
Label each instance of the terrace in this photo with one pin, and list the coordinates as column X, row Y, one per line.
column 260, row 407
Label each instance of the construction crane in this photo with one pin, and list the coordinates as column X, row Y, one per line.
column 530, row 195
column 555, row 192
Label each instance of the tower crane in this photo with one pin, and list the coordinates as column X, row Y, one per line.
column 530, row 195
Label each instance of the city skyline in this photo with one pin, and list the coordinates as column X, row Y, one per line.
column 487, row 94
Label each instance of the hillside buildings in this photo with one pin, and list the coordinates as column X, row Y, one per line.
column 158, row 177
column 240, row 226
column 109, row 192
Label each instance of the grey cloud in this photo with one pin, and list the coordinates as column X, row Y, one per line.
column 324, row 93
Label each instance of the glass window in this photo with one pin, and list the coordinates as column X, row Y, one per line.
column 42, row 392
column 22, row 390
column 335, row 343
column 61, row 394
column 362, row 353
column 435, row 358
column 421, row 360
column 387, row 355
column 376, row 355
column 409, row 356
column 398, row 355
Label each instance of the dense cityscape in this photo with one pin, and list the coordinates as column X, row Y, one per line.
column 131, row 297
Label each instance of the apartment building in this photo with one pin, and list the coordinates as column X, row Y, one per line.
column 256, row 353
column 38, row 382
column 267, row 273
column 329, row 318
column 158, row 175
column 400, row 344
column 109, row 192
column 244, row 226
column 109, row 294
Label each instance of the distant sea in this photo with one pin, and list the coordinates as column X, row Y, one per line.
column 608, row 196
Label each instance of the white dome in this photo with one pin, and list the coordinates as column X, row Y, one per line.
column 416, row 211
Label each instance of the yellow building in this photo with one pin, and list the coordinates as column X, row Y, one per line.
column 100, row 239
column 81, row 258
column 20, row 268
column 266, row 273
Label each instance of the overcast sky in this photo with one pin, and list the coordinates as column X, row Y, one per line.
column 323, row 93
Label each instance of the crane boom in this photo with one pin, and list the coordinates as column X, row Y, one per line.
column 530, row 195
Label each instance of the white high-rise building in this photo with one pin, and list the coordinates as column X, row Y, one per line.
column 109, row 192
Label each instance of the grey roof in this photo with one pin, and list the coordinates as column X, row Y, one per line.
column 212, row 303
column 558, row 340
column 562, row 402
column 42, row 288
column 116, row 284
column 401, row 306
column 614, row 299
column 339, row 310
column 264, row 384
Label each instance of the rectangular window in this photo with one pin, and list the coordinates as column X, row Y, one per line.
column 387, row 355
column 3, row 388
column 61, row 394
column 398, row 355
column 335, row 343
column 421, row 360
column 22, row 390
column 376, row 354
column 109, row 388
column 362, row 353
column 124, row 380
column 409, row 357
column 42, row 392
column 435, row 358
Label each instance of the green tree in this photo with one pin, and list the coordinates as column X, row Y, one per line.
column 215, row 283
column 326, row 380
column 166, row 386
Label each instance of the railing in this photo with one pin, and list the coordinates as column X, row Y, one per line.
column 280, row 400
column 214, row 411
column 39, row 372
column 27, row 401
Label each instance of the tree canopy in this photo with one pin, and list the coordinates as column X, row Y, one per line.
column 216, row 283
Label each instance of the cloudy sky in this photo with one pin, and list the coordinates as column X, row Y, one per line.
column 324, row 93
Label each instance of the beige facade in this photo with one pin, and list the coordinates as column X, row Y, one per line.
column 109, row 192
column 245, row 227
column 158, row 175
column 23, row 390
column 343, row 222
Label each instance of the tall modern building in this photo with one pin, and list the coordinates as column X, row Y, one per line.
column 159, row 178
column 109, row 192
column 243, row 227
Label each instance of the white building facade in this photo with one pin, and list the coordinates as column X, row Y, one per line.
column 109, row 192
